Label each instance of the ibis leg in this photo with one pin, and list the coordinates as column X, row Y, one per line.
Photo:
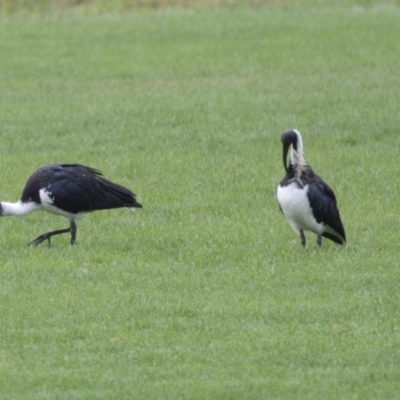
column 319, row 240
column 73, row 232
column 302, row 239
column 46, row 236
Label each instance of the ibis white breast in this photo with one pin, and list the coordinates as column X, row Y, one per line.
column 47, row 204
column 296, row 207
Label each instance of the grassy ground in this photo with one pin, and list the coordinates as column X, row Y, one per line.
column 205, row 293
column 25, row 7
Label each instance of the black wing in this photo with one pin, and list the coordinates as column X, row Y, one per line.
column 77, row 188
column 323, row 203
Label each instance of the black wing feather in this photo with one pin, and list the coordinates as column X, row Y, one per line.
column 323, row 203
column 76, row 188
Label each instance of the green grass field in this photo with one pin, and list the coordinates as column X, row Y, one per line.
column 206, row 292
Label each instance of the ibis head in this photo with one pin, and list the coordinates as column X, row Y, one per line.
column 289, row 138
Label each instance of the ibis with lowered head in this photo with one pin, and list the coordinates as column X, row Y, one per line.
column 307, row 202
column 69, row 190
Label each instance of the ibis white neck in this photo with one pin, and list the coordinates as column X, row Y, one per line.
column 299, row 141
column 18, row 208
column 297, row 156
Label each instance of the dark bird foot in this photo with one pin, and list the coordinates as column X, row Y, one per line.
column 40, row 239
column 46, row 236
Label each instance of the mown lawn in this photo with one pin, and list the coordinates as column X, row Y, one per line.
column 206, row 292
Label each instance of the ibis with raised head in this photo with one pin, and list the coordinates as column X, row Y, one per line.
column 69, row 190
column 307, row 202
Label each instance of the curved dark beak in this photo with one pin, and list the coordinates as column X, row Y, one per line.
column 286, row 146
column 288, row 138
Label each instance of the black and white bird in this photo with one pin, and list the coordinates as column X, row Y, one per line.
column 305, row 199
column 69, row 190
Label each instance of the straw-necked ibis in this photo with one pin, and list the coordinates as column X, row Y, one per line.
column 305, row 199
column 69, row 190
